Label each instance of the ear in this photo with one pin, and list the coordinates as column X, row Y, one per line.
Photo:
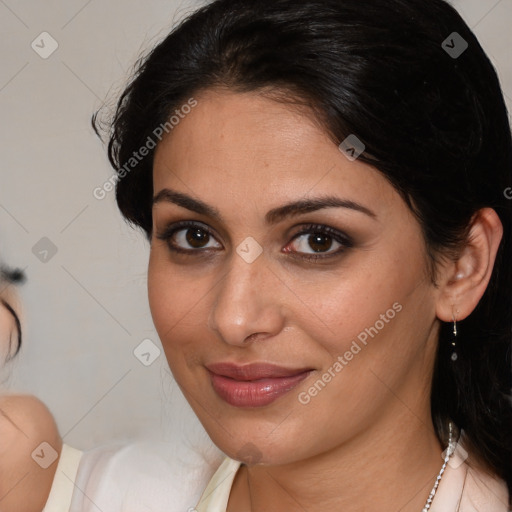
column 8, row 323
column 463, row 282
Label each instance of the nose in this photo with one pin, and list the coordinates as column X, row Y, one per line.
column 246, row 302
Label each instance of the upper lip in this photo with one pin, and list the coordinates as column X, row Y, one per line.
column 253, row 371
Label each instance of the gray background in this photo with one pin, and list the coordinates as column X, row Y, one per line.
column 85, row 307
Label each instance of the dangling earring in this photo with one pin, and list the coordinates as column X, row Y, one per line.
column 454, row 341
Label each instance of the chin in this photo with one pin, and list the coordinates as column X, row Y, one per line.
column 260, row 452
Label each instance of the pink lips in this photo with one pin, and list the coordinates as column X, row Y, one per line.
column 253, row 385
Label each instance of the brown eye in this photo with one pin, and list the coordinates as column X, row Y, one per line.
column 187, row 237
column 319, row 242
column 196, row 237
column 314, row 242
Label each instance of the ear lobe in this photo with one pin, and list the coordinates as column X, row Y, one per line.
column 464, row 281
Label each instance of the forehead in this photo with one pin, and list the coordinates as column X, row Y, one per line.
column 233, row 144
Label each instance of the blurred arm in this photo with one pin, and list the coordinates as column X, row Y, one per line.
column 27, row 466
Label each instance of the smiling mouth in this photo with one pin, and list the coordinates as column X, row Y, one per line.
column 254, row 385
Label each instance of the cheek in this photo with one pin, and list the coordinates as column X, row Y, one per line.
column 177, row 303
column 339, row 308
column 170, row 293
column 367, row 314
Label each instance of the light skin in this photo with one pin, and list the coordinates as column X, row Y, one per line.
column 25, row 423
column 366, row 441
column 8, row 329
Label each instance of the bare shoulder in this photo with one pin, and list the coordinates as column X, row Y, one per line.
column 29, row 449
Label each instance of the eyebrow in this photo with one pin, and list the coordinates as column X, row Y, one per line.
column 273, row 216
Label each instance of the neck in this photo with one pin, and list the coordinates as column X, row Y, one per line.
column 383, row 468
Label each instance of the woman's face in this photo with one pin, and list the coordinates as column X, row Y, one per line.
column 353, row 331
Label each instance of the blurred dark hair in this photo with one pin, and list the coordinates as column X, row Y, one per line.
column 11, row 276
column 434, row 125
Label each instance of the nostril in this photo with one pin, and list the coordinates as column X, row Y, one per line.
column 253, row 337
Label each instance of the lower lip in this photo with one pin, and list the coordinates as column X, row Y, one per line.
column 256, row 393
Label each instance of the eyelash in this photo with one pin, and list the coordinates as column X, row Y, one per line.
column 339, row 237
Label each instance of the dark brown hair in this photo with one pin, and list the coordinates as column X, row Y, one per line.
column 434, row 124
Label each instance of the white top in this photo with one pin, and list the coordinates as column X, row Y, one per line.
column 142, row 477
column 462, row 489
column 63, row 482
column 139, row 477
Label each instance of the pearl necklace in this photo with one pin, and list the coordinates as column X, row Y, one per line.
column 449, row 453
